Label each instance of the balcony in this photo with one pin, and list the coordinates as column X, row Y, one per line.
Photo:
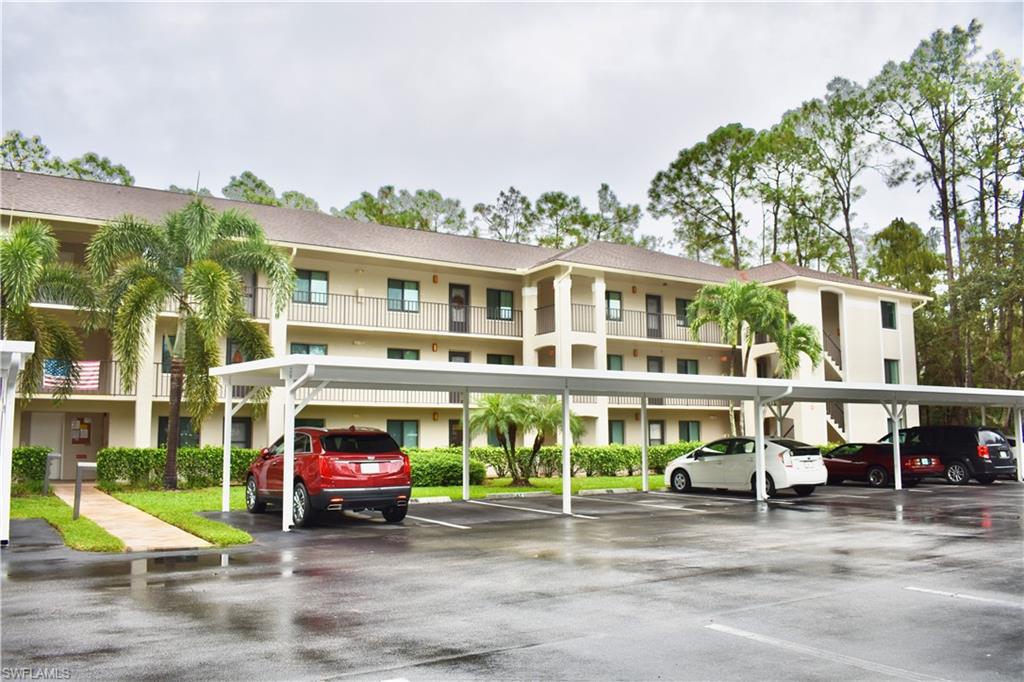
column 95, row 378
column 582, row 317
column 638, row 324
column 546, row 319
column 257, row 302
column 423, row 316
column 631, row 401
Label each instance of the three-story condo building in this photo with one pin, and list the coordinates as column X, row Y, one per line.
column 377, row 291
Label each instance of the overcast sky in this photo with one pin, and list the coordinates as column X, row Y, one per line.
column 466, row 99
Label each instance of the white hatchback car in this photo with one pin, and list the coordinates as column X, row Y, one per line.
column 729, row 464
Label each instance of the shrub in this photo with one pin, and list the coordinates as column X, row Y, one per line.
column 144, row 467
column 443, row 467
column 28, row 466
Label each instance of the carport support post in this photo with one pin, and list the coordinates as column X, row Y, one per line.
column 225, row 483
column 465, row 444
column 645, row 478
column 897, row 462
column 566, row 453
column 288, row 475
column 1018, row 429
column 759, row 465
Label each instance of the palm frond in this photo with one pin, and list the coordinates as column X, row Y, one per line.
column 215, row 293
column 233, row 223
column 55, row 339
column 125, row 238
column 134, row 313
column 195, row 229
column 258, row 255
column 24, row 253
column 201, row 353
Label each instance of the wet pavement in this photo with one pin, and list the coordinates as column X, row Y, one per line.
column 850, row 583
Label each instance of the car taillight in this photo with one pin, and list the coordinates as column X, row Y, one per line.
column 786, row 459
column 406, row 466
column 983, row 451
column 325, row 467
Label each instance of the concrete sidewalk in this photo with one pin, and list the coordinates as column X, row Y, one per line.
column 138, row 530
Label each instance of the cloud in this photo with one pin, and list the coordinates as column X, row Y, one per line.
column 336, row 99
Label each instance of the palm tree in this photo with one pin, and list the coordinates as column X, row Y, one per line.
column 744, row 309
column 30, row 271
column 195, row 259
column 509, row 415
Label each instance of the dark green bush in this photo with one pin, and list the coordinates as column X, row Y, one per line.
column 443, row 467
column 28, row 466
column 144, row 467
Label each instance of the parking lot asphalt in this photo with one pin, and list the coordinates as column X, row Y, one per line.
column 851, row 583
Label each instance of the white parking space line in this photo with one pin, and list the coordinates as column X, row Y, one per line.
column 861, row 663
column 440, row 523
column 915, row 490
column 971, row 597
column 653, row 506
column 858, row 497
column 530, row 509
column 736, row 500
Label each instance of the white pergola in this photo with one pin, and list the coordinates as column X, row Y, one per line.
column 318, row 372
column 12, row 358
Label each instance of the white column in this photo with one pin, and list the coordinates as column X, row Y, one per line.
column 563, row 321
column 645, row 438
column 759, row 464
column 1018, row 418
column 145, row 387
column 897, row 462
column 288, row 475
column 566, row 454
column 275, row 406
column 465, row 444
column 10, row 383
column 225, row 483
column 529, row 303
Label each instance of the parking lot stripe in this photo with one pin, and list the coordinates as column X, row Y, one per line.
column 530, row 509
column 737, row 500
column 822, row 654
column 653, row 506
column 440, row 523
column 960, row 595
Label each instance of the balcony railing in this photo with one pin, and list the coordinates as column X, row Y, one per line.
column 545, row 319
column 582, row 317
column 257, row 302
column 632, row 401
column 385, row 313
column 103, row 379
column 162, row 385
column 640, row 324
column 375, row 396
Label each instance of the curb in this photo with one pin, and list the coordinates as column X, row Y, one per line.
column 606, row 491
column 440, row 499
column 509, row 496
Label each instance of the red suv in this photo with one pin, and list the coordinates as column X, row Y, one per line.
column 872, row 462
column 335, row 469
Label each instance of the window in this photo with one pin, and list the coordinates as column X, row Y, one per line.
column 165, row 353
column 656, row 432
column 308, row 349
column 309, row 422
column 689, row 430
column 615, row 363
column 718, row 447
column 303, row 443
column 406, row 432
column 310, row 287
column 613, row 305
column 234, row 353
column 368, row 443
column 892, row 371
column 685, row 366
column 617, row 432
column 763, row 367
column 454, row 433
column 888, row 315
column 187, row 436
column 492, row 438
column 403, row 354
column 241, row 432
column 682, row 312
column 498, row 359
column 499, row 304
column 403, row 296
column 655, row 363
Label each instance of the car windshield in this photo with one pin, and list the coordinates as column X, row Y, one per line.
column 361, row 443
column 991, row 438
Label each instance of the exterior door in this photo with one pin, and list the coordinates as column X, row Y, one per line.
column 656, row 364
column 653, row 316
column 458, row 308
column 84, row 436
column 456, row 356
column 47, row 429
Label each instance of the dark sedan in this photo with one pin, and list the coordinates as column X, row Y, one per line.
column 872, row 463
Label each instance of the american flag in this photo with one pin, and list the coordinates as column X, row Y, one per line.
column 56, row 372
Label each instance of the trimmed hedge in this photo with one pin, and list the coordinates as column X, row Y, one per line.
column 28, row 466
column 443, row 466
column 144, row 467
column 592, row 460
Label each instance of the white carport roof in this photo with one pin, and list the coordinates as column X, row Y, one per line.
column 356, row 372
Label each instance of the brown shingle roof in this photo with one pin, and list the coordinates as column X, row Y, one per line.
column 72, row 198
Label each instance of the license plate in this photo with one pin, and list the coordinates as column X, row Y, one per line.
column 370, row 467
column 1004, row 455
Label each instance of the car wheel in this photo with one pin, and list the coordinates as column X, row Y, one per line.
column 394, row 514
column 985, row 479
column 252, row 499
column 878, row 477
column 803, row 490
column 769, row 485
column 302, row 511
column 680, row 481
column 958, row 474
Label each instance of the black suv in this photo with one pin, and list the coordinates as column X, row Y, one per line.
column 966, row 451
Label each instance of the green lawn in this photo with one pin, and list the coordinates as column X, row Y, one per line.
column 179, row 508
column 554, row 485
column 80, row 534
